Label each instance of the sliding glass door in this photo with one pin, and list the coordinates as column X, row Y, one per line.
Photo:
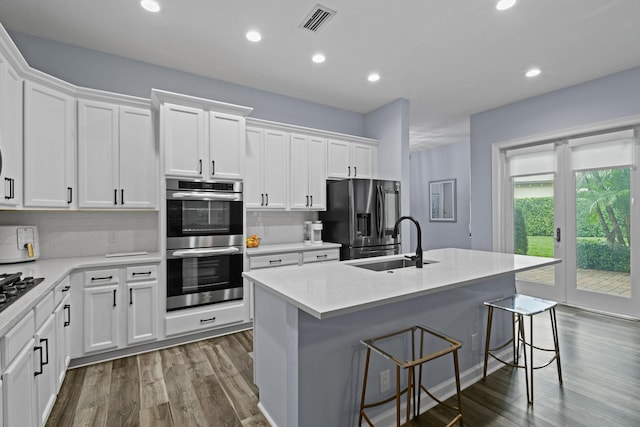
column 574, row 200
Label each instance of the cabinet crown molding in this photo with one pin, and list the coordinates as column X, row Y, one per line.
column 159, row 97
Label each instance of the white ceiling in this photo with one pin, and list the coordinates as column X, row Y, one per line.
column 450, row 58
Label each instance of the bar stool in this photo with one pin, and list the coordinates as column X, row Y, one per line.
column 415, row 357
column 520, row 306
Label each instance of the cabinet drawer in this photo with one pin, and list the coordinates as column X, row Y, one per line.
column 44, row 309
column 61, row 290
column 320, row 256
column 17, row 337
column 279, row 260
column 101, row 277
column 204, row 319
column 142, row 272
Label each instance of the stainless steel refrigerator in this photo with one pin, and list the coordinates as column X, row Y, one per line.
column 360, row 215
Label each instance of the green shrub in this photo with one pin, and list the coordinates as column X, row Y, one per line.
column 598, row 255
column 538, row 214
column 520, row 244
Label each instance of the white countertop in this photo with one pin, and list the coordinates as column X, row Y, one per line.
column 328, row 292
column 290, row 247
column 54, row 270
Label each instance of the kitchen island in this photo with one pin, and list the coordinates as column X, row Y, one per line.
column 308, row 323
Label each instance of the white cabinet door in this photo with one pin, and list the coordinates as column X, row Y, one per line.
column 317, row 173
column 253, row 183
column 300, row 172
column 226, row 146
column 338, row 161
column 138, row 159
column 46, row 372
column 62, row 315
column 19, row 399
column 10, row 135
column 184, row 136
column 101, row 313
column 141, row 317
column 49, row 156
column 276, row 171
column 362, row 162
column 98, row 155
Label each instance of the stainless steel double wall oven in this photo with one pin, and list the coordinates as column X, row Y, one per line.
column 204, row 242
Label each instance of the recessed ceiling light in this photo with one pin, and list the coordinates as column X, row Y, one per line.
column 150, row 5
column 505, row 4
column 254, row 36
column 373, row 77
column 533, row 72
column 318, row 58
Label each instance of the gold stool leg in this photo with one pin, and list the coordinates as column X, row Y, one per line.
column 398, row 396
column 486, row 343
column 456, row 367
column 364, row 386
column 554, row 328
column 526, row 364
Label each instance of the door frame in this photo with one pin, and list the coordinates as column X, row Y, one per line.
column 499, row 198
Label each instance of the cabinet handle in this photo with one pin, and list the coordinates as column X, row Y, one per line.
column 66, row 288
column 213, row 167
column 114, row 297
column 321, row 256
column 7, row 188
column 13, row 188
column 200, row 169
column 130, row 296
column 69, row 195
column 122, row 196
column 355, row 171
column 307, row 205
column 348, row 170
column 46, row 342
column 211, row 319
column 311, row 198
column 275, row 261
column 102, row 278
column 261, row 199
column 146, row 273
column 267, row 198
column 68, row 308
column 115, row 196
column 38, row 348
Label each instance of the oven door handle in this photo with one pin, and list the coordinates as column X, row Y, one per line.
column 204, row 196
column 194, row 253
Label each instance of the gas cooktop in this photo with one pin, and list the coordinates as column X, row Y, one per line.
column 13, row 286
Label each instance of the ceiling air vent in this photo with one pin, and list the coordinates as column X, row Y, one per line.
column 317, row 18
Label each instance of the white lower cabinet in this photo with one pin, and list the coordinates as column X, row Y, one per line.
column 195, row 320
column 19, row 398
column 63, row 339
column 45, row 369
column 119, row 302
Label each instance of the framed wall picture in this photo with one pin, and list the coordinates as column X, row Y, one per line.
column 443, row 200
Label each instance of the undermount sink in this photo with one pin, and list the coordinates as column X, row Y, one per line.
column 390, row 264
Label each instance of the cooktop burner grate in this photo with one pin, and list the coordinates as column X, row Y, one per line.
column 14, row 286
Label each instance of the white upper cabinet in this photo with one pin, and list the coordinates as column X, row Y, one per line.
column 267, row 166
column 348, row 159
column 226, row 146
column 116, row 157
column 201, row 138
column 10, row 135
column 308, row 172
column 49, row 155
column 184, row 133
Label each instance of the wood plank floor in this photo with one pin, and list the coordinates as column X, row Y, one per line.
column 209, row 383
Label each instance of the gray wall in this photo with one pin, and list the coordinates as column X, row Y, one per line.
column 97, row 70
column 449, row 161
column 611, row 97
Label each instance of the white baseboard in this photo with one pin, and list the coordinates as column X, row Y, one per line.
column 266, row 415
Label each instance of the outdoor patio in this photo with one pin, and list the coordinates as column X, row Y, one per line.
column 607, row 282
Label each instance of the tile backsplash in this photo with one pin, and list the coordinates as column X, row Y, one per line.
column 278, row 227
column 69, row 234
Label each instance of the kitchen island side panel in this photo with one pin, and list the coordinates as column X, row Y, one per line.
column 321, row 370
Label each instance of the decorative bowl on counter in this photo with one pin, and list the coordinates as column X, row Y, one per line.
column 253, row 241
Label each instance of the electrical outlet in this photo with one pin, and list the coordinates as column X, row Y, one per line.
column 385, row 381
column 474, row 342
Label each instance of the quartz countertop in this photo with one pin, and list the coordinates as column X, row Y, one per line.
column 54, row 270
column 290, row 247
column 328, row 292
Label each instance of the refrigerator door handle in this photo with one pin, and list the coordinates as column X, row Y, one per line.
column 380, row 211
